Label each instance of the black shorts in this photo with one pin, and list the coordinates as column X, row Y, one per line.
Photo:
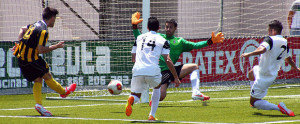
column 33, row 70
column 167, row 76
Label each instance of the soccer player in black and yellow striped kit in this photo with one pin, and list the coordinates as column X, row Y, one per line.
column 33, row 39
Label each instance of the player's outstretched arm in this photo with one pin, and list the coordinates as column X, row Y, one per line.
column 172, row 69
column 135, row 20
column 133, row 55
column 292, row 63
column 188, row 45
column 46, row 49
column 258, row 51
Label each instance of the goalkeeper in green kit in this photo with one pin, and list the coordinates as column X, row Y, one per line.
column 179, row 45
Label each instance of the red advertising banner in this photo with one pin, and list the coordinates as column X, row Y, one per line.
column 222, row 62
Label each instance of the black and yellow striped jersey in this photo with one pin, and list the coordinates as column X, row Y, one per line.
column 37, row 34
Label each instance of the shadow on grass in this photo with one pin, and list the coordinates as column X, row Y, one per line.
column 57, row 115
column 182, row 106
column 260, row 114
column 117, row 112
column 146, row 121
column 166, row 106
column 61, row 115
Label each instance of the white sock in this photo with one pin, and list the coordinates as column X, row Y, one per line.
column 136, row 99
column 265, row 105
column 155, row 101
column 195, row 81
column 251, row 84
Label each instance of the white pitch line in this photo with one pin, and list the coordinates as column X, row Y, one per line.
column 286, row 121
column 66, row 106
column 104, row 119
column 283, row 96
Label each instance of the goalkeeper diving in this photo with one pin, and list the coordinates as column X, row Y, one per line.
column 179, row 45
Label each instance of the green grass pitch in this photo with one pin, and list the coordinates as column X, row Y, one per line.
column 231, row 106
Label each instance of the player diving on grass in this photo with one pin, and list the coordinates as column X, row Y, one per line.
column 33, row 39
column 273, row 52
column 179, row 45
column 146, row 51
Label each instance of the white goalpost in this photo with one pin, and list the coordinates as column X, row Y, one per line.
column 146, row 14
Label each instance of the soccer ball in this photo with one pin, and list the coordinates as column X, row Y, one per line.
column 115, row 87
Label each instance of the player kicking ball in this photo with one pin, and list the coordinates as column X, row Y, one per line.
column 179, row 45
column 33, row 39
column 273, row 51
column 146, row 51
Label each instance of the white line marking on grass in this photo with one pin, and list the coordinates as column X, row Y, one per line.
column 132, row 120
column 59, row 98
column 66, row 106
column 103, row 119
column 286, row 121
column 283, row 96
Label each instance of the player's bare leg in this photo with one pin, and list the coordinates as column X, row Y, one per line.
column 251, row 77
column 193, row 70
column 187, row 69
column 163, row 91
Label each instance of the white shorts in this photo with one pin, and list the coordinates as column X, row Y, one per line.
column 140, row 83
column 261, row 84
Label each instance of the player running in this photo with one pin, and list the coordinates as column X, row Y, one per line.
column 146, row 51
column 179, row 45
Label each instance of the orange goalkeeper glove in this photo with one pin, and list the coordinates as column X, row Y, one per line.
column 135, row 18
column 219, row 38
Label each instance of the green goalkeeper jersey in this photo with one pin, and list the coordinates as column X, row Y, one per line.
column 178, row 45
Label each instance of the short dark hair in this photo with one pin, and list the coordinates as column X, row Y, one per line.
column 153, row 24
column 49, row 12
column 276, row 25
column 172, row 21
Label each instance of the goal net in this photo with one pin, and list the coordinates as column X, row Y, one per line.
column 99, row 38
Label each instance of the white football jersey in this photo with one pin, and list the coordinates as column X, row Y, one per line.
column 148, row 48
column 277, row 50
